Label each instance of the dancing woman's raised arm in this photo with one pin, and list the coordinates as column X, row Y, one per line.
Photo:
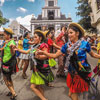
column 52, row 55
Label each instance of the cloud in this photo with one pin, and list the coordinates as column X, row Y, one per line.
column 20, row 9
column 11, row 19
column 25, row 21
column 1, row 28
column 31, row 0
column 2, row 2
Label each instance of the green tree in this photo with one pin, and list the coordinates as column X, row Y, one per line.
column 3, row 20
column 84, row 11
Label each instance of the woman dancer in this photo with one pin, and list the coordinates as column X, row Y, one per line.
column 42, row 73
column 78, row 78
column 19, row 57
column 9, row 62
column 25, row 57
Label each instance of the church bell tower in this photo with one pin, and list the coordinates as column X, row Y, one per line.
column 51, row 11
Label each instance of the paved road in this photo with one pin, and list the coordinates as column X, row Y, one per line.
column 22, row 87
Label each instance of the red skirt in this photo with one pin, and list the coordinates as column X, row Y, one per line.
column 76, row 84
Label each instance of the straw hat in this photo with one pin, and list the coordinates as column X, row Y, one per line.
column 9, row 30
column 43, row 33
column 39, row 31
column 79, row 27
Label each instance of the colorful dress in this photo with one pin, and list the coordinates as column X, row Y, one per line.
column 42, row 73
column 77, row 79
column 20, row 46
column 20, row 43
column 9, row 60
column 98, row 48
column 98, row 64
column 50, row 44
column 60, row 41
column 26, row 46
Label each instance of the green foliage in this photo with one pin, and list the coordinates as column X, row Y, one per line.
column 3, row 20
column 84, row 11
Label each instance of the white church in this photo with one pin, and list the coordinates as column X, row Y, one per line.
column 51, row 17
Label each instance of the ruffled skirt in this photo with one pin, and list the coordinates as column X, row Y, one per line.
column 40, row 79
column 76, row 84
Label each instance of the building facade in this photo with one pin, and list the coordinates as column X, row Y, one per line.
column 51, row 17
column 95, row 15
column 17, row 28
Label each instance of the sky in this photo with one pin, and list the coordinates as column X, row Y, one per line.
column 22, row 10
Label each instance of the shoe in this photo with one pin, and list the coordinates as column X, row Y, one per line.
column 13, row 97
column 9, row 94
column 24, row 76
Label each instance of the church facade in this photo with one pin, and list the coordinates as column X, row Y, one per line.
column 51, row 17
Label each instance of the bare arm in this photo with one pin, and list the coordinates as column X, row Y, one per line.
column 31, row 43
column 12, row 50
column 94, row 47
column 95, row 55
column 52, row 55
column 24, row 51
column 41, row 56
column 56, row 46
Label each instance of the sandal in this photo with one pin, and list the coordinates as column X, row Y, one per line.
column 9, row 94
column 13, row 97
column 24, row 76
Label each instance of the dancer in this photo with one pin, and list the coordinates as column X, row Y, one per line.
column 9, row 62
column 25, row 57
column 50, row 42
column 19, row 57
column 42, row 73
column 79, row 71
column 60, row 41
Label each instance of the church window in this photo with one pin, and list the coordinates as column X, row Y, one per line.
column 51, row 3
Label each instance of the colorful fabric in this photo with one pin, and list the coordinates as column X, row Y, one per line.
column 52, row 62
column 43, row 45
column 98, row 48
column 61, row 65
column 50, row 44
column 24, row 56
column 76, row 84
column 12, row 66
column 60, row 40
column 17, row 53
column 26, row 45
column 84, row 47
column 39, row 78
column 20, row 44
column 78, row 80
column 42, row 73
column 7, row 51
